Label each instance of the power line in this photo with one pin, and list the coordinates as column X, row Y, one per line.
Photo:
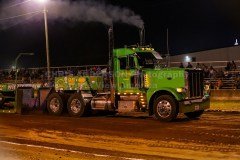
column 21, row 22
column 20, row 15
column 17, row 4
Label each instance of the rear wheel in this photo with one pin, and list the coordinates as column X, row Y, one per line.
column 195, row 114
column 76, row 106
column 55, row 104
column 165, row 108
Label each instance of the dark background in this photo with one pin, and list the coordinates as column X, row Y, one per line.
column 194, row 25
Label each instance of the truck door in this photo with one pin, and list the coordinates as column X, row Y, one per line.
column 127, row 78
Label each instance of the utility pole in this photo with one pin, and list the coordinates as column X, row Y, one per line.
column 168, row 54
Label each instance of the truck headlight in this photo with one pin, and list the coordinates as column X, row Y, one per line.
column 181, row 90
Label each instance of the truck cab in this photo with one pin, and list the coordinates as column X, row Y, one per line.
column 163, row 92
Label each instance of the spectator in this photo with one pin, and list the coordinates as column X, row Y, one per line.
column 206, row 71
column 75, row 71
column 181, row 65
column 198, row 66
column 189, row 65
column 228, row 67
column 98, row 71
column 218, row 84
column 233, row 66
column 237, row 83
column 79, row 72
column 12, row 73
column 220, row 73
column 212, row 72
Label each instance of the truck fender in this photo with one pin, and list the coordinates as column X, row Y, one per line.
column 164, row 91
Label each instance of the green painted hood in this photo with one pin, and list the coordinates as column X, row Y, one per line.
column 165, row 78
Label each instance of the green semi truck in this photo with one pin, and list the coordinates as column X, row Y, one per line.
column 133, row 83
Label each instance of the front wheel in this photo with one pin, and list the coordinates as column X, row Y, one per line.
column 196, row 114
column 165, row 108
column 76, row 106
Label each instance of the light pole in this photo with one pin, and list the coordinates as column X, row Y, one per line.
column 16, row 60
column 46, row 37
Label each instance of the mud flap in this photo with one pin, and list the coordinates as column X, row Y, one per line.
column 25, row 100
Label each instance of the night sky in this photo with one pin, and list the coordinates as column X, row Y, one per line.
column 194, row 25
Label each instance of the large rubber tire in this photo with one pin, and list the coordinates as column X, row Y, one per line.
column 165, row 108
column 55, row 104
column 193, row 115
column 76, row 106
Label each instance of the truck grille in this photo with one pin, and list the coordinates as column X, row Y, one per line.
column 195, row 83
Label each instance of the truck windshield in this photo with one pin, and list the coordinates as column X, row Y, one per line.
column 147, row 59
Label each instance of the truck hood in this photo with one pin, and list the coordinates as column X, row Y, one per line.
column 165, row 78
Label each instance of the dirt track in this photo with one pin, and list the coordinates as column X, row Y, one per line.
column 215, row 136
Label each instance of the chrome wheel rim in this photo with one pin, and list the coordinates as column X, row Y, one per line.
column 55, row 105
column 75, row 106
column 164, row 109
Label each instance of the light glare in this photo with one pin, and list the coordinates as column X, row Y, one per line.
column 41, row 1
column 187, row 59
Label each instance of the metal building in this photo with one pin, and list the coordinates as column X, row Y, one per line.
column 215, row 57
